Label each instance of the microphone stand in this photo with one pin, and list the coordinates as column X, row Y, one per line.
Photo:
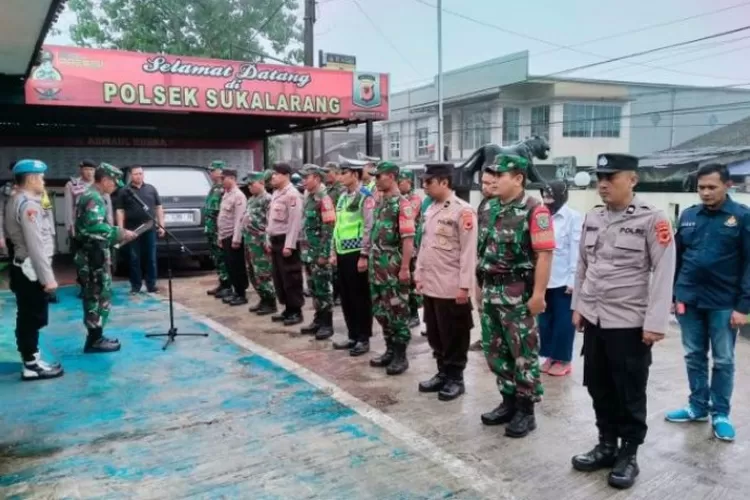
column 172, row 332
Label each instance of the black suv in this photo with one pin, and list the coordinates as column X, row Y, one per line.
column 183, row 190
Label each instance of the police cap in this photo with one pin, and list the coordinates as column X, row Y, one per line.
column 611, row 163
column 29, row 167
column 442, row 170
column 87, row 163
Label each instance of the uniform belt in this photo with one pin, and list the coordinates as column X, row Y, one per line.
column 504, row 277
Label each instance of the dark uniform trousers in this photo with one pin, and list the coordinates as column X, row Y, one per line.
column 235, row 262
column 356, row 302
column 448, row 331
column 287, row 275
column 32, row 304
column 616, row 367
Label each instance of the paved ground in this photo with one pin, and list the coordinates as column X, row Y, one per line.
column 277, row 415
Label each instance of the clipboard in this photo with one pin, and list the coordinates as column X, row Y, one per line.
column 146, row 226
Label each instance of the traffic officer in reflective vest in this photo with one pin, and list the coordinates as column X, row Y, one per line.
column 406, row 183
column 621, row 298
column 32, row 279
column 350, row 253
column 444, row 275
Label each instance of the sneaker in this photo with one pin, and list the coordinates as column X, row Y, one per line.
column 687, row 414
column 546, row 365
column 723, row 428
column 559, row 369
column 39, row 369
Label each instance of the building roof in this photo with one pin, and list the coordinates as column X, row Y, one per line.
column 543, row 79
column 736, row 134
column 670, row 158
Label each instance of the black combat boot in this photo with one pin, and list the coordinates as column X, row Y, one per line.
column 325, row 331
column 523, row 421
column 602, row 456
column 293, row 318
column 96, row 342
column 224, row 292
column 453, row 387
column 279, row 318
column 256, row 307
column 313, row 327
column 344, row 345
column 400, row 363
column 223, row 285
column 238, row 300
column 229, row 297
column 267, row 306
column 360, row 348
column 502, row 414
column 384, row 359
column 626, row 467
column 436, row 382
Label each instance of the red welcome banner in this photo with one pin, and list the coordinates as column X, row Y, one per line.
column 73, row 76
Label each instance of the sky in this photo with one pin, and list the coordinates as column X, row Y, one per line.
column 399, row 37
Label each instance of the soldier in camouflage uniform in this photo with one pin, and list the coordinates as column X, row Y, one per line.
column 254, row 234
column 210, row 216
column 319, row 215
column 406, row 186
column 94, row 237
column 392, row 247
column 334, row 189
column 483, row 219
column 515, row 263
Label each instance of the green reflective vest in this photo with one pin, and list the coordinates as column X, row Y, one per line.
column 350, row 224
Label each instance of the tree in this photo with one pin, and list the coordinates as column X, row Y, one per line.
column 222, row 29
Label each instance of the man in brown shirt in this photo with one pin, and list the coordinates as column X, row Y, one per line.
column 231, row 213
column 444, row 275
column 284, row 225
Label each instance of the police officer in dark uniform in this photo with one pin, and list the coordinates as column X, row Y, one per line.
column 622, row 299
column 32, row 237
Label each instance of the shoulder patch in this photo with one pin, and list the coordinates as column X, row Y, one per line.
column 31, row 214
column 369, row 202
column 663, row 232
column 407, row 209
column 467, row 219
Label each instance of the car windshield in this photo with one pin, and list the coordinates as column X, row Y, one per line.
column 176, row 181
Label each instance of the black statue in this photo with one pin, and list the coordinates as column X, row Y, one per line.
column 530, row 148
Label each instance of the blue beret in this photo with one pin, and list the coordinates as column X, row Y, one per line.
column 29, row 167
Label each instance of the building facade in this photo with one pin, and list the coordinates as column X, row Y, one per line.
column 499, row 102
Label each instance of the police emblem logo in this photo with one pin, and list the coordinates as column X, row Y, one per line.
column 731, row 221
column 408, row 211
column 603, row 161
column 511, row 164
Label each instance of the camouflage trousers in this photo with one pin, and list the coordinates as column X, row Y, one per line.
column 390, row 304
column 320, row 284
column 217, row 256
column 415, row 300
column 93, row 266
column 259, row 270
column 510, row 339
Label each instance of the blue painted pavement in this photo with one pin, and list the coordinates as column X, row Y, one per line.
column 203, row 419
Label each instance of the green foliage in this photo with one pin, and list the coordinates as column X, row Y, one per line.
column 274, row 145
column 223, row 29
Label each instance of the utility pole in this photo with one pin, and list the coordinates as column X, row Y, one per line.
column 440, row 152
column 308, row 148
column 322, row 131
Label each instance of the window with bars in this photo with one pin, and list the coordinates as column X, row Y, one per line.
column 423, row 142
column 511, row 125
column 591, row 120
column 394, row 145
column 540, row 121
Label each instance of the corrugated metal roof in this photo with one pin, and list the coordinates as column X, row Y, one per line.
column 699, row 155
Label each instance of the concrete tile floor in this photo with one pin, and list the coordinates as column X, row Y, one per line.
column 678, row 461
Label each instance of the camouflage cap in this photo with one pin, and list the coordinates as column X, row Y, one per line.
column 406, row 175
column 387, row 167
column 113, row 172
column 506, row 163
column 255, row 177
column 331, row 166
column 217, row 165
column 310, row 169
